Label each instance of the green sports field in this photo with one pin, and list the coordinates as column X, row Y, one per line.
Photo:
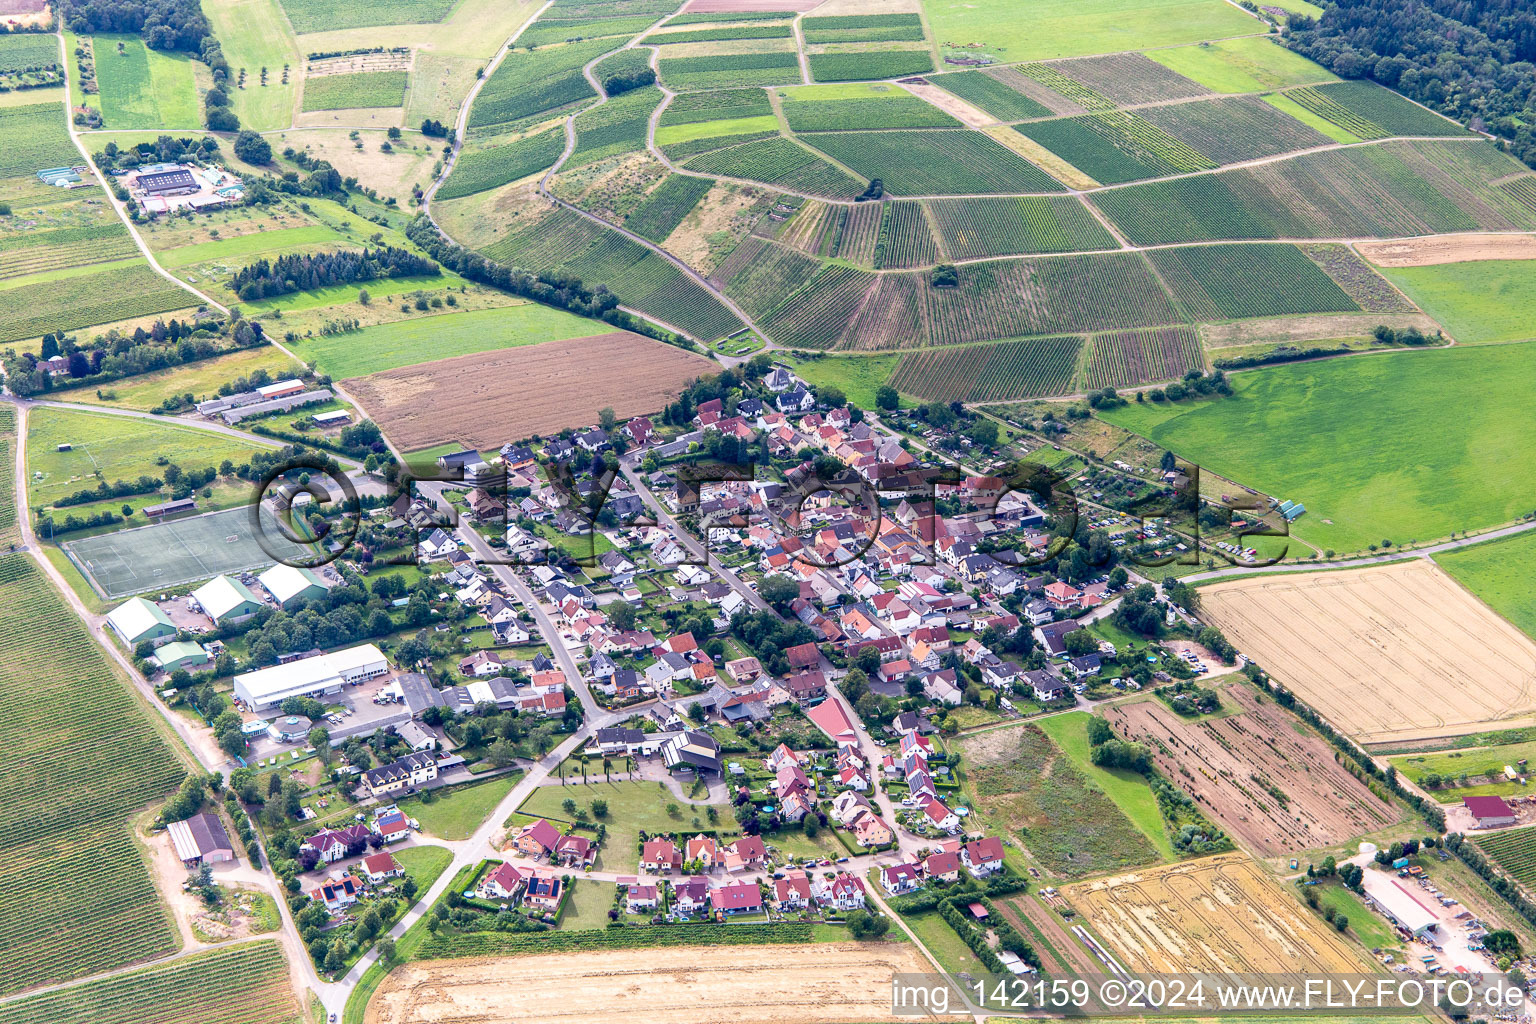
column 1480, row 303
column 427, row 338
column 1499, row 573
column 1403, row 446
column 144, row 88
column 1077, row 28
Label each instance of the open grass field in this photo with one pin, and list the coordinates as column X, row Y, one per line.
column 80, row 756
column 360, row 89
column 177, row 551
column 633, row 807
column 35, row 138
column 244, row 984
column 1477, row 763
column 1271, row 782
column 1222, row 914
column 562, row 384
column 406, row 342
column 201, row 379
column 31, row 306
column 1128, row 790
column 1484, row 302
column 117, row 447
column 779, row 984
column 859, row 376
column 424, row 862
column 1253, row 64
column 322, row 16
column 1388, row 653
column 144, row 88
column 1022, row 783
column 458, row 810
column 254, row 34
column 1497, row 572
column 1365, row 443
column 1061, row 28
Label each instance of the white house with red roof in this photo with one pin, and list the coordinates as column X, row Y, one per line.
column 941, row 817
column 640, row 899
column 503, row 882
column 380, row 866
column 792, row 892
column 844, row 892
column 746, row 854
column 942, row 867
column 333, row 844
column 983, row 856
column 690, row 896
column 660, row 856
column 901, row 878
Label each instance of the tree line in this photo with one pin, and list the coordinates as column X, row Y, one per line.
column 309, row 272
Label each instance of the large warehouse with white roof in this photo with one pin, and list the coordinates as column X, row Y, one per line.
column 310, row 677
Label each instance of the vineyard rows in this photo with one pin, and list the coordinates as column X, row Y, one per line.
column 8, row 531
column 38, row 258
column 1036, row 90
column 244, row 984
column 989, row 93
column 779, row 161
column 934, row 162
column 80, row 756
column 905, row 240
column 1075, row 141
column 535, row 82
column 1233, row 129
column 1330, row 110
column 34, row 138
column 1232, row 282
column 482, row 169
column 704, row 35
column 679, row 152
column 860, row 232
column 816, row 314
column 903, row 111
column 1126, row 358
column 972, row 228
column 1373, row 111
column 547, row 30
column 547, row 242
column 1127, row 78
column 664, row 209
column 863, row 28
column 1391, row 190
column 1369, row 290
column 725, row 71
column 1068, row 88
column 867, row 65
column 812, row 230
column 1138, row 142
column 1513, row 851
column 618, row 126
column 1028, row 368
column 759, row 275
column 102, row 297
column 718, row 105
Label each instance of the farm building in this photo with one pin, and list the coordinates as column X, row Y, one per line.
column 291, row 587
column 224, row 599
column 1403, row 907
column 137, row 619
column 1490, row 811
column 201, row 839
column 183, row 654
column 177, row 182
column 322, row 674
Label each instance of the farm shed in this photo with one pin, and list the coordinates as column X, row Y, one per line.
column 1403, row 907
column 1490, row 811
column 183, row 654
column 201, row 839
column 291, row 586
column 226, row 600
column 137, row 619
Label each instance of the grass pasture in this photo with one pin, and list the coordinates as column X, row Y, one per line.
column 82, row 756
column 458, row 810
column 1069, row 28
column 1498, row 573
column 254, row 34
column 1484, row 302
column 144, row 88
column 1476, row 763
column 1365, row 444
column 356, row 90
column 1252, row 64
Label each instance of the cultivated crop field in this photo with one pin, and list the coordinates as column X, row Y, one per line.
column 817, row 312
column 244, row 984
column 360, row 89
column 1219, row 915
column 562, row 384
column 80, row 756
column 1124, row 358
column 1231, row 282
column 1369, row 290
column 34, row 139
column 1025, row 785
column 788, row 984
column 1371, row 111
column 477, row 170
column 1272, row 783
column 779, row 161
column 988, row 226
column 1230, row 130
column 760, row 275
column 9, row 533
column 37, row 251
column 29, row 310
column 990, row 373
column 859, row 28
column 914, row 163
column 1514, row 851
column 546, row 79
column 615, row 127
column 1116, row 146
column 1388, row 654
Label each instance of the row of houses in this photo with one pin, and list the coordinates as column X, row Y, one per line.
column 979, row 858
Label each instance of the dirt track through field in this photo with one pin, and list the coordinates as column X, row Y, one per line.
column 1233, row 767
column 1389, row 653
column 483, row 400
column 1069, row 956
column 1427, row 252
column 1209, row 916
column 818, row 984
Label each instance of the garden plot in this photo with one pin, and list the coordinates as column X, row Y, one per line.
column 1387, row 654
column 1221, row 915
column 1272, row 784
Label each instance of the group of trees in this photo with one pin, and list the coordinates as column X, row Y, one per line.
column 615, row 85
column 310, row 271
column 116, row 354
column 165, row 149
column 1194, row 385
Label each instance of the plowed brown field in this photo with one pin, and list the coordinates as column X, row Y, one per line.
column 1426, row 252
column 487, row 399
column 1234, row 766
column 727, row 985
column 1390, row 653
column 1218, row 915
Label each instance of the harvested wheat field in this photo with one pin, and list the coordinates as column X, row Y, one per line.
column 1427, row 252
column 679, row 985
column 1388, row 654
column 1223, row 914
column 1272, row 783
column 485, row 398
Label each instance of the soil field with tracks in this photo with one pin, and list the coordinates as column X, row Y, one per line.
column 481, row 400
column 1219, row 915
column 1275, row 788
column 683, row 985
column 1391, row 653
column 1426, row 252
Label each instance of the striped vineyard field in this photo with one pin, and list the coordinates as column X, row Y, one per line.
column 987, row 226
column 816, row 314
column 759, row 275
column 1125, row 358
column 905, row 240
column 859, row 232
column 80, row 755
column 1002, row 371
column 9, row 534
column 245, row 984
column 1234, row 282
column 1513, row 851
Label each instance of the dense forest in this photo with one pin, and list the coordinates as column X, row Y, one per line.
column 307, row 272
column 164, row 24
column 1468, row 59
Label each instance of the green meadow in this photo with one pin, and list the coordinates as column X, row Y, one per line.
column 1405, row 446
column 1480, row 303
column 1076, row 28
column 444, row 336
column 1499, row 572
column 254, row 34
column 1252, row 64
column 144, row 88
